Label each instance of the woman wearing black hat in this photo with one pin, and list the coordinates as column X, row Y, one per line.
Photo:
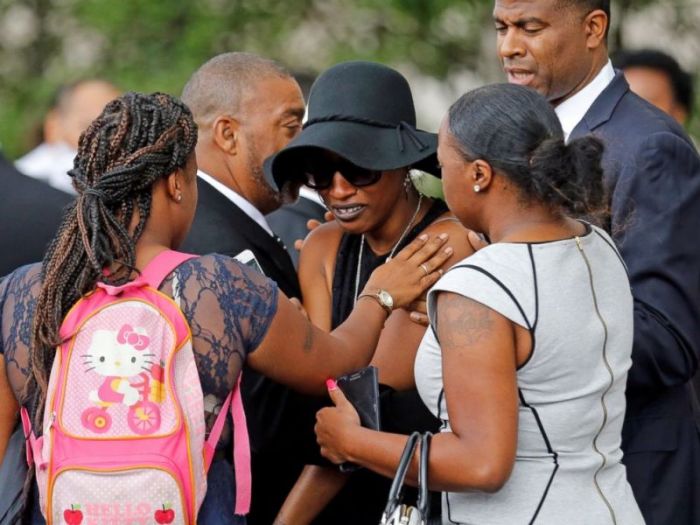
column 531, row 341
column 357, row 149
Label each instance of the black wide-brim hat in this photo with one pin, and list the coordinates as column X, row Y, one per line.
column 363, row 112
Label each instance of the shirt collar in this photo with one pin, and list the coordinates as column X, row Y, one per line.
column 572, row 110
column 247, row 208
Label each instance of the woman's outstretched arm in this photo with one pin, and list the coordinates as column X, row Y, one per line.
column 298, row 354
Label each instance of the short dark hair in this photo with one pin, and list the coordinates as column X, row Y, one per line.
column 681, row 81
column 588, row 6
column 220, row 83
column 517, row 132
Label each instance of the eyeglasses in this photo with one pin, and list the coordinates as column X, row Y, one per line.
column 319, row 173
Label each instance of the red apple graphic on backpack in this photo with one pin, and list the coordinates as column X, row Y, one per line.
column 157, row 371
column 165, row 515
column 73, row 516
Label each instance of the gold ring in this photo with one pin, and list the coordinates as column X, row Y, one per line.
column 425, row 269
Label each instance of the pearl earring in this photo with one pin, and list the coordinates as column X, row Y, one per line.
column 178, row 197
column 477, row 188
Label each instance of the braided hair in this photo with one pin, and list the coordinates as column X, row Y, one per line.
column 137, row 140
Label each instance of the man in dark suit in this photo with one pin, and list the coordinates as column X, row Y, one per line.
column 30, row 213
column 290, row 221
column 247, row 108
column 558, row 47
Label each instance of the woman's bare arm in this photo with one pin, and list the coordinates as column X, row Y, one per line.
column 316, row 266
column 479, row 359
column 298, row 354
column 398, row 343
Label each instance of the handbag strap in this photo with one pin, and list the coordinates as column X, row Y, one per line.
column 396, row 489
column 423, row 503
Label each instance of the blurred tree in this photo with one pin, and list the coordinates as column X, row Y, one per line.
column 156, row 44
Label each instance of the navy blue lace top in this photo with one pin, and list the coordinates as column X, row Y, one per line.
column 229, row 308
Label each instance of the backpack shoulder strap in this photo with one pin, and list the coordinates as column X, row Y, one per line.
column 162, row 265
column 241, row 447
column 158, row 269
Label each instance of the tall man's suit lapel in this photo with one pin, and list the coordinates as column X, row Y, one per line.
column 602, row 109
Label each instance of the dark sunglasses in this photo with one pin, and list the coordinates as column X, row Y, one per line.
column 319, row 173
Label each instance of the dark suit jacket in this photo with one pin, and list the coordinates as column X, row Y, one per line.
column 653, row 171
column 289, row 222
column 30, row 213
column 222, row 227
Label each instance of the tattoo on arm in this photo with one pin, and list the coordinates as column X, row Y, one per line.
column 308, row 338
column 462, row 321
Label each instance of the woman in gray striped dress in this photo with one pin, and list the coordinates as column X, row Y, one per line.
column 531, row 340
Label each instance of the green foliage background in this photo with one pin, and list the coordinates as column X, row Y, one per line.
column 150, row 45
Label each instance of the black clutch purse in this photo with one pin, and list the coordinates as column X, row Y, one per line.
column 361, row 388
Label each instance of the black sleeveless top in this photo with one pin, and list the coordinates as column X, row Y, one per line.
column 401, row 412
column 343, row 293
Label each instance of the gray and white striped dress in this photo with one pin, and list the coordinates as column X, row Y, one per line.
column 574, row 297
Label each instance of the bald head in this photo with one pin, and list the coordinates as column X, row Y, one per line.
column 75, row 107
column 246, row 108
column 222, row 83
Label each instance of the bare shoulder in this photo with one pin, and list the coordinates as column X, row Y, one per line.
column 322, row 242
column 448, row 223
column 316, row 267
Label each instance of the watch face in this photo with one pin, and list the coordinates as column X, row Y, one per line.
column 386, row 298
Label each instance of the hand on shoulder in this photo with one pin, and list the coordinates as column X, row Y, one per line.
column 458, row 240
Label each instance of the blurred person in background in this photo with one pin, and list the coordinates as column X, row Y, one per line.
column 30, row 212
column 247, row 108
column 74, row 107
column 652, row 174
column 357, row 148
column 659, row 79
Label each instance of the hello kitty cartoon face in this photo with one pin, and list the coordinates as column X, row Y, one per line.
column 120, row 354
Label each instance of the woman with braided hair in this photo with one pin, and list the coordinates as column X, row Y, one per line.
column 135, row 179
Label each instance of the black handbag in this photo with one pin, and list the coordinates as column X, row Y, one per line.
column 398, row 513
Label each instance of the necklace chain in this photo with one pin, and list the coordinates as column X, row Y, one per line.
column 393, row 249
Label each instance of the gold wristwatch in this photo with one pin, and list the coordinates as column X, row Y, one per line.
column 383, row 297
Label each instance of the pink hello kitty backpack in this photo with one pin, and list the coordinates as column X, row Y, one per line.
column 123, row 433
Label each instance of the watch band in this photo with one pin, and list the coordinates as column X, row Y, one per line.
column 375, row 296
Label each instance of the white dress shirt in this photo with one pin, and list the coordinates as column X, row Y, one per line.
column 572, row 110
column 49, row 163
column 250, row 210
